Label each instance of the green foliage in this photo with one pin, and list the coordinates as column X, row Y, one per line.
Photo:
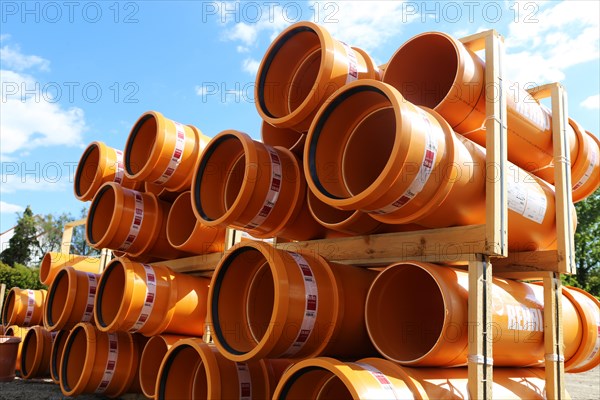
column 587, row 244
column 50, row 229
column 23, row 241
column 20, row 276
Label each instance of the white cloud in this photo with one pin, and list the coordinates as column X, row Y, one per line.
column 560, row 35
column 30, row 119
column 591, row 103
column 4, row 36
column 49, row 177
column 13, row 59
column 8, row 208
column 250, row 65
column 364, row 24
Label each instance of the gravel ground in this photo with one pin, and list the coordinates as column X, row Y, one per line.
column 584, row 386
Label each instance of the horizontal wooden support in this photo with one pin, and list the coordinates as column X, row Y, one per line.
column 476, row 41
column 527, row 261
column 434, row 245
column 202, row 263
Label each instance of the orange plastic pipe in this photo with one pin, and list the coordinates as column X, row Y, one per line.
column 350, row 222
column 129, row 221
column 283, row 137
column 192, row 369
column 270, row 303
column 100, row 164
column 416, row 169
column 437, row 71
column 374, row 378
column 53, row 262
column 301, row 68
column 16, row 331
column 56, row 352
column 35, row 354
column 245, row 184
column 152, row 300
column 98, row 362
column 163, row 151
column 154, row 351
column 70, row 299
column 160, row 192
column 416, row 315
column 23, row 307
column 186, row 233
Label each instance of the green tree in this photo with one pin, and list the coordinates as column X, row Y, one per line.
column 50, row 230
column 20, row 276
column 587, row 243
column 23, row 241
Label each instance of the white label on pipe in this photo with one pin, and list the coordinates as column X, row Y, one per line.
column 245, row 381
column 273, row 193
column 176, row 156
column 30, row 307
column 89, row 307
column 111, row 362
column 522, row 318
column 310, row 308
column 533, row 111
column 119, row 169
column 425, row 169
column 149, row 298
column 352, row 63
column 136, row 223
column 593, row 160
column 528, row 202
column 383, row 381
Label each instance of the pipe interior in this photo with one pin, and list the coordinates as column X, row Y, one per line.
column 152, row 356
column 86, row 170
column 45, row 266
column 177, row 379
column 110, row 293
column 374, row 135
column 181, row 220
column 304, row 79
column 313, row 383
column 140, row 144
column 234, row 182
column 28, row 352
column 243, row 300
column 9, row 305
column 405, row 312
column 351, row 116
column 289, row 72
column 219, row 176
column 57, row 298
column 200, row 383
column 259, row 302
column 74, row 358
column 424, row 69
column 101, row 212
column 58, row 346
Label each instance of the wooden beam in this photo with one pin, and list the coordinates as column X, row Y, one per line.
column 565, row 234
column 443, row 245
column 546, row 260
column 68, row 234
column 202, row 263
column 553, row 338
column 480, row 363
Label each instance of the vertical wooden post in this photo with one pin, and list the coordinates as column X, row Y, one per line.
column 496, row 152
column 553, row 337
column 565, row 236
column 2, row 290
column 68, row 235
column 480, row 361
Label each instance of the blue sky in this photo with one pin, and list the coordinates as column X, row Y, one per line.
column 73, row 72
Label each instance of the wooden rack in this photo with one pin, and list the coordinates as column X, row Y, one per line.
column 479, row 246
